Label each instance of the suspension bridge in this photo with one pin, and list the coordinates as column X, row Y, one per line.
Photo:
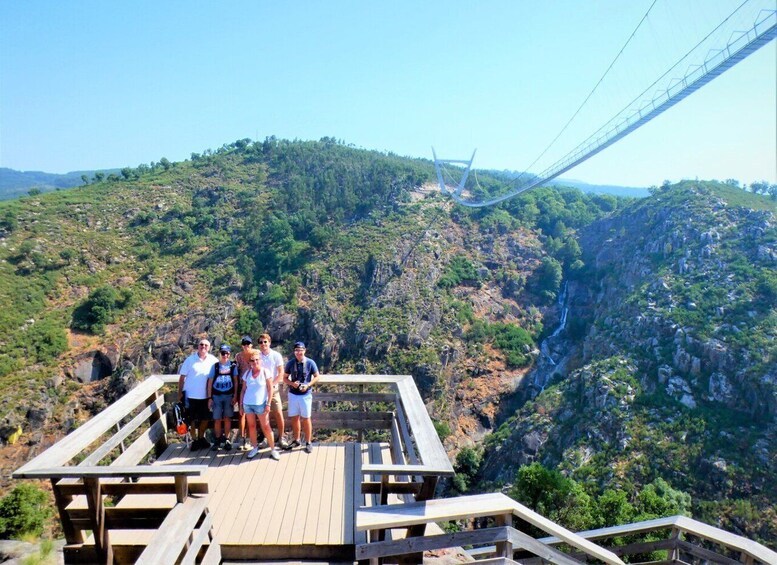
column 640, row 111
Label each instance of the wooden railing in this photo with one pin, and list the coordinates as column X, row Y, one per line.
column 503, row 536
column 103, row 458
column 106, row 455
column 684, row 540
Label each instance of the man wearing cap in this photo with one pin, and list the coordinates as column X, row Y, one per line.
column 273, row 363
column 193, row 389
column 222, row 396
column 301, row 374
column 243, row 360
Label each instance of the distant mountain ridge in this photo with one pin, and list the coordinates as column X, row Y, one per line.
column 15, row 183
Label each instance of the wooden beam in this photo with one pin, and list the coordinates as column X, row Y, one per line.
column 62, row 499
column 141, row 447
column 171, row 538
column 120, row 472
column 427, row 543
column 102, row 539
column 123, row 489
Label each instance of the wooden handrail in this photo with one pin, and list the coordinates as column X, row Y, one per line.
column 495, row 504
column 99, row 472
column 685, row 525
column 76, row 442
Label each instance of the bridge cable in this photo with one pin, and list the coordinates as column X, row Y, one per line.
column 587, row 98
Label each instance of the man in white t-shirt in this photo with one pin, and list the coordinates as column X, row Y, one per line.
column 272, row 361
column 193, row 389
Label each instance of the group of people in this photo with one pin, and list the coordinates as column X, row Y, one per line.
column 216, row 388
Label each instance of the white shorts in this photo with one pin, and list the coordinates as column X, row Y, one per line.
column 300, row 405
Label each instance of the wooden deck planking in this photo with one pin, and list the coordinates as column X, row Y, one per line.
column 277, row 487
column 304, row 480
column 336, row 533
column 303, row 499
column 256, row 477
column 329, row 520
column 317, row 522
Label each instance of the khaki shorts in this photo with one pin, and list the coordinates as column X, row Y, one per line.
column 277, row 404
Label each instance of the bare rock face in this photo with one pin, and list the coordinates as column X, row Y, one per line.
column 91, row 366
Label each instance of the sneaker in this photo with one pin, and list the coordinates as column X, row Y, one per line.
column 274, row 454
column 308, row 447
column 195, row 445
column 292, row 445
column 222, row 442
column 252, row 453
column 245, row 446
column 227, row 445
column 263, row 444
column 283, row 444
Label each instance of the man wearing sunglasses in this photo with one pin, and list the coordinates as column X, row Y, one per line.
column 272, row 361
column 222, row 396
column 301, row 374
column 193, row 389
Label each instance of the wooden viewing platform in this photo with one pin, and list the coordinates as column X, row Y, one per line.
column 127, row 491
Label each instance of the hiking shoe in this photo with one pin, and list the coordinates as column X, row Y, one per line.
column 292, row 445
column 253, row 452
column 274, row 454
column 200, row 443
column 308, row 447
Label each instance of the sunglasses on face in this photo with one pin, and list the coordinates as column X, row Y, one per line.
column 204, row 345
column 225, row 352
column 264, row 341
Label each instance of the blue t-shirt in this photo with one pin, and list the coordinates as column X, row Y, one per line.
column 300, row 372
column 222, row 378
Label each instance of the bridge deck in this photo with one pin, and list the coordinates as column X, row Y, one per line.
column 299, row 507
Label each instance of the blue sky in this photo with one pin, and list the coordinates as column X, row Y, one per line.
column 95, row 85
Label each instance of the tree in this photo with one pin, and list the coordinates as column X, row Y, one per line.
column 23, row 511
column 34, row 191
column 759, row 187
column 100, row 308
column 548, row 278
column 658, row 499
column 165, row 163
column 98, row 177
column 126, row 172
column 555, row 496
column 85, row 179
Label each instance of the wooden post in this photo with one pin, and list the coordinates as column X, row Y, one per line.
column 360, row 432
column 181, row 487
column 122, row 446
column 504, row 548
column 161, row 444
column 73, row 536
column 102, row 542
column 674, row 553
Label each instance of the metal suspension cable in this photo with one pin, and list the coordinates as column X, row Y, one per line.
column 593, row 90
column 593, row 145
